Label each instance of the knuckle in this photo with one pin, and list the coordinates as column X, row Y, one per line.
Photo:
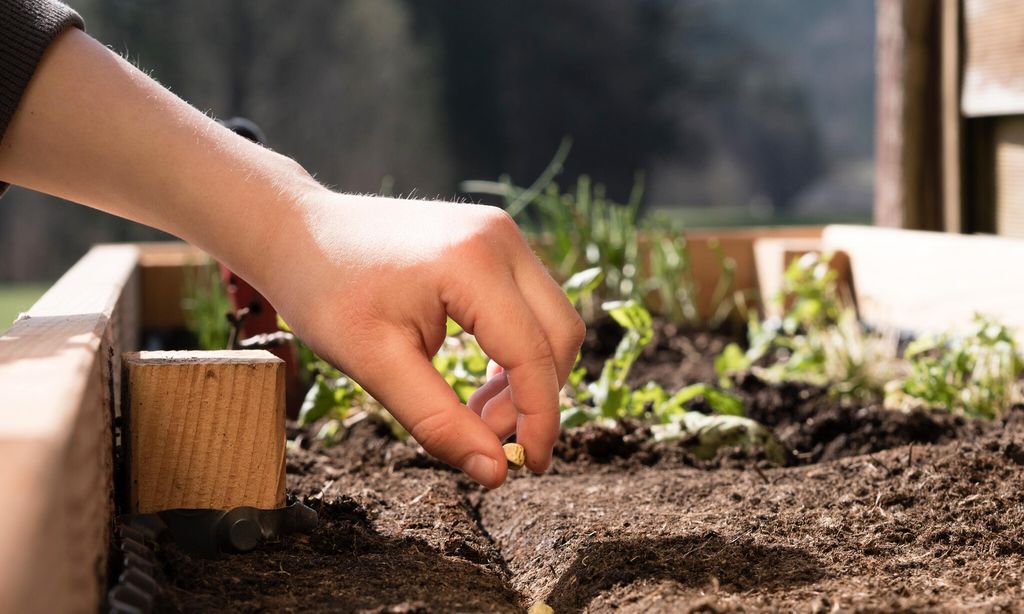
column 576, row 331
column 432, row 431
column 541, row 352
column 498, row 231
column 499, row 221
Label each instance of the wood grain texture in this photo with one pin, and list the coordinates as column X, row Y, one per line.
column 1009, row 176
column 952, row 122
column 931, row 281
column 737, row 245
column 58, row 364
column 206, row 429
column 167, row 270
column 908, row 122
column 993, row 58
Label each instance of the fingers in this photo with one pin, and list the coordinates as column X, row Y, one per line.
column 493, row 403
column 419, row 398
column 500, row 414
column 485, row 393
column 494, row 310
column 562, row 325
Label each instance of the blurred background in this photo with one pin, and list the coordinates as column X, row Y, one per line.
column 730, row 112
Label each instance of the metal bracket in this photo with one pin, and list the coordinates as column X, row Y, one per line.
column 197, row 532
column 209, row 533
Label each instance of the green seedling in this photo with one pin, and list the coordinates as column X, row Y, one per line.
column 583, row 228
column 611, row 398
column 976, row 374
column 706, row 434
column 818, row 340
column 206, row 305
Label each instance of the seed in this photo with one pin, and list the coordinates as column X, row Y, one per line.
column 515, row 454
column 539, row 607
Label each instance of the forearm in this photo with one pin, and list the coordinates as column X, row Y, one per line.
column 367, row 282
column 93, row 129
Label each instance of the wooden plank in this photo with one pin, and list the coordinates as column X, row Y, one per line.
column 1009, row 176
column 206, row 429
column 166, row 271
column 737, row 245
column 994, row 58
column 929, row 281
column 58, row 368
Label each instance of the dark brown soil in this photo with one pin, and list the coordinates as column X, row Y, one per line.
column 878, row 511
column 675, row 357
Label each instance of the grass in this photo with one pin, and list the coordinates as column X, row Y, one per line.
column 15, row 298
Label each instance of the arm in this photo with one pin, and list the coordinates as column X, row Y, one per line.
column 366, row 281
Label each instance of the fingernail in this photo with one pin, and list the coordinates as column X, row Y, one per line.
column 481, row 468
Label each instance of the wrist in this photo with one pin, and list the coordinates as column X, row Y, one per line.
column 250, row 218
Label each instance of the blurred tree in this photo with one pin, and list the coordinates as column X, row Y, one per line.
column 341, row 86
column 520, row 76
column 718, row 102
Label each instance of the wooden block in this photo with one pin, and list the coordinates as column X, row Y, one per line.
column 1009, row 176
column 206, row 429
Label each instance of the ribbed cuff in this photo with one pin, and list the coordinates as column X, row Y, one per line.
column 27, row 27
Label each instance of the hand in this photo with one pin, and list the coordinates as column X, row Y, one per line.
column 368, row 283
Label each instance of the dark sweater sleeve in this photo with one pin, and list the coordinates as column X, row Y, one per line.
column 27, row 27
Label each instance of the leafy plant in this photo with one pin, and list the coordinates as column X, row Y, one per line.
column 818, row 340
column 461, row 361
column 975, row 374
column 206, row 306
column 583, row 228
column 610, row 397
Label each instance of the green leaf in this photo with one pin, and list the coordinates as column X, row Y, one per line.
column 582, row 283
column 318, row 403
column 732, row 360
column 721, row 402
column 464, row 389
column 650, row 396
column 724, row 403
column 576, row 416
column 631, row 315
column 452, row 328
column 706, row 434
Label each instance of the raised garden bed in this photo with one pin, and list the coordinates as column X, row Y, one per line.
column 874, row 509
column 878, row 510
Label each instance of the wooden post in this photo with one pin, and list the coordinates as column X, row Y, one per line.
column 206, row 429
column 952, row 122
column 908, row 126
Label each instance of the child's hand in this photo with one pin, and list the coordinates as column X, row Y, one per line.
column 368, row 283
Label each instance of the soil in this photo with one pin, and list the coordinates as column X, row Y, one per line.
column 876, row 511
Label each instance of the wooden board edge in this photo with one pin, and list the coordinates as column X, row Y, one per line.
column 58, row 365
